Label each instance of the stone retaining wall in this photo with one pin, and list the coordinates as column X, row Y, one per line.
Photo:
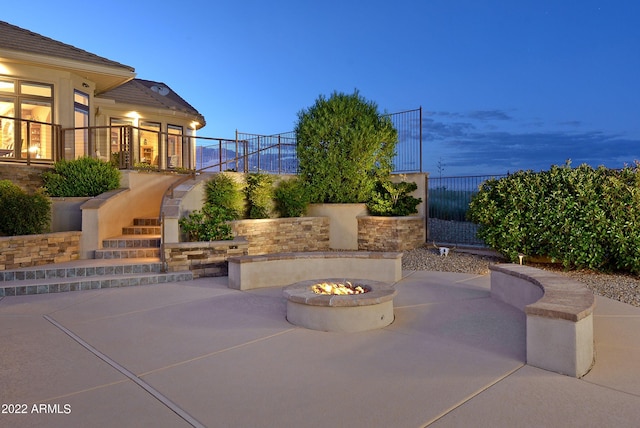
column 203, row 258
column 390, row 233
column 36, row 250
column 29, row 178
column 284, row 235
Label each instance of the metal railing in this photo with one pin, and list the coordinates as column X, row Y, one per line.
column 448, row 201
column 277, row 153
column 29, row 141
column 270, row 153
column 409, row 149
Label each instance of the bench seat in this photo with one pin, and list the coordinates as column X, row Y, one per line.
column 559, row 314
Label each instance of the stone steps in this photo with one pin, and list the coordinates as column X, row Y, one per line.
column 142, row 239
column 86, row 275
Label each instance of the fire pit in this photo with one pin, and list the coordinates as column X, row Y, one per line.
column 362, row 305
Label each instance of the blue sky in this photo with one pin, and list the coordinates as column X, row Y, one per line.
column 505, row 85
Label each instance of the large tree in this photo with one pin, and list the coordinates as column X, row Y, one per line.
column 345, row 146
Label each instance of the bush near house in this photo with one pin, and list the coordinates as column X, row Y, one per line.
column 291, row 198
column 223, row 191
column 583, row 217
column 223, row 202
column 210, row 224
column 258, row 192
column 82, row 177
column 22, row 213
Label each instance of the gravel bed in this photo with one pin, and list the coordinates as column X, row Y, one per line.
column 624, row 288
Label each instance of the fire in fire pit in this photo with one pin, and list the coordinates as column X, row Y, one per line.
column 338, row 288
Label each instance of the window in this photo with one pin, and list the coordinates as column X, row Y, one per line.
column 36, row 132
column 81, row 120
column 26, row 118
column 174, row 146
column 7, row 127
column 36, row 89
column 149, row 143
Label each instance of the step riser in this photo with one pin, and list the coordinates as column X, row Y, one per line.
column 127, row 254
column 146, row 222
column 131, row 243
column 94, row 284
column 142, row 230
column 79, row 272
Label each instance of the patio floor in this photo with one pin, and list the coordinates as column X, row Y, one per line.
column 196, row 353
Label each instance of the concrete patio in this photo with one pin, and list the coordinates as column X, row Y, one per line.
column 197, row 353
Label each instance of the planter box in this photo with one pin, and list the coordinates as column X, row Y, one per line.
column 378, row 233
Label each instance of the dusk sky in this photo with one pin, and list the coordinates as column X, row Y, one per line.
column 505, row 85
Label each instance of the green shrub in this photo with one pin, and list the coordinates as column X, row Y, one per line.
column 81, row 178
column 210, row 224
column 344, row 147
column 145, row 167
column 224, row 192
column 582, row 217
column 290, row 197
column 22, row 213
column 393, row 199
column 258, row 192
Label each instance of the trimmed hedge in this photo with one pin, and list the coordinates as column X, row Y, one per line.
column 582, row 217
column 22, row 213
column 81, row 177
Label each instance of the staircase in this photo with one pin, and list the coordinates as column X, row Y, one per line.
column 138, row 241
column 132, row 258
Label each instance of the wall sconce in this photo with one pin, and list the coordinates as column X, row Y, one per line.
column 85, row 85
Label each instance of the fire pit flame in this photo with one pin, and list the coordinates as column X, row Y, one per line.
column 338, row 288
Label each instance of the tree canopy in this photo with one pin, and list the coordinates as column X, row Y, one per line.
column 344, row 146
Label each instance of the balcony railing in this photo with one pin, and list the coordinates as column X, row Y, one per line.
column 136, row 147
column 28, row 141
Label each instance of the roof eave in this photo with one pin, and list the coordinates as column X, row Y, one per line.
column 105, row 77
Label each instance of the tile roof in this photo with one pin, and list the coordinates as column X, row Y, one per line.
column 21, row 40
column 151, row 94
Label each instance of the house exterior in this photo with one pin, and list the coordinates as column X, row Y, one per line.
column 61, row 102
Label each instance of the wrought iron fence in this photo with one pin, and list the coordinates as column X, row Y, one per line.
column 277, row 153
column 409, row 149
column 448, row 201
column 219, row 154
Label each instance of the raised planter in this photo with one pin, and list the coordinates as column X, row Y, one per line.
column 379, row 233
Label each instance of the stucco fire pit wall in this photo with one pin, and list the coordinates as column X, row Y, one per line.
column 340, row 313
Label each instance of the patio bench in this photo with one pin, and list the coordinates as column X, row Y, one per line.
column 279, row 269
column 559, row 313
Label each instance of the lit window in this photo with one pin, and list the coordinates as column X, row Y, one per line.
column 36, row 89
column 7, row 86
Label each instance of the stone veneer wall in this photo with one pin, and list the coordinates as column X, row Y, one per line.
column 390, row 233
column 203, row 258
column 284, row 235
column 27, row 177
column 36, row 250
